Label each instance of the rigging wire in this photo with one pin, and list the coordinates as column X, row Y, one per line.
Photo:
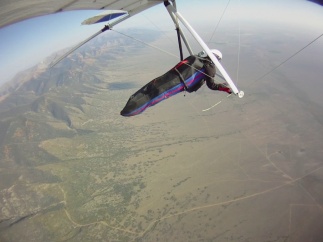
column 162, row 50
column 239, row 47
column 286, row 60
column 145, row 43
column 159, row 29
column 216, row 27
column 272, row 70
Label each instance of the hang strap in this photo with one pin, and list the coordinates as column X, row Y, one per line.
column 182, row 80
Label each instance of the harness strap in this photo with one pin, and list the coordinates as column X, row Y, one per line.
column 182, row 80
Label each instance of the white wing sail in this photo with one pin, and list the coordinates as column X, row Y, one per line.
column 17, row 10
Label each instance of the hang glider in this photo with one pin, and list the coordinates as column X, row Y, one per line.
column 117, row 10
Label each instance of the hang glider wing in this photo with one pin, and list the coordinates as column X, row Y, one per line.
column 17, row 10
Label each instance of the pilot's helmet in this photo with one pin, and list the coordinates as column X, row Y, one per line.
column 216, row 52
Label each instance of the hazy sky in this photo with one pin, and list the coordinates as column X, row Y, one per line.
column 26, row 43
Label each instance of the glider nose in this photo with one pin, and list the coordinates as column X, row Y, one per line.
column 124, row 113
column 129, row 108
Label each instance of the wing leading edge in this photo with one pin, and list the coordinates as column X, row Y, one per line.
column 18, row 10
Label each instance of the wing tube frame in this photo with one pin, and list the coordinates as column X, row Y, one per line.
column 226, row 76
column 178, row 29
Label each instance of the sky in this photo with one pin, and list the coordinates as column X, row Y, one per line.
column 27, row 43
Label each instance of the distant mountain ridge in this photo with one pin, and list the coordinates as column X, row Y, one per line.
column 40, row 78
column 42, row 103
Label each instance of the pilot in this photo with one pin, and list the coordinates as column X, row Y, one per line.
column 210, row 71
column 188, row 75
